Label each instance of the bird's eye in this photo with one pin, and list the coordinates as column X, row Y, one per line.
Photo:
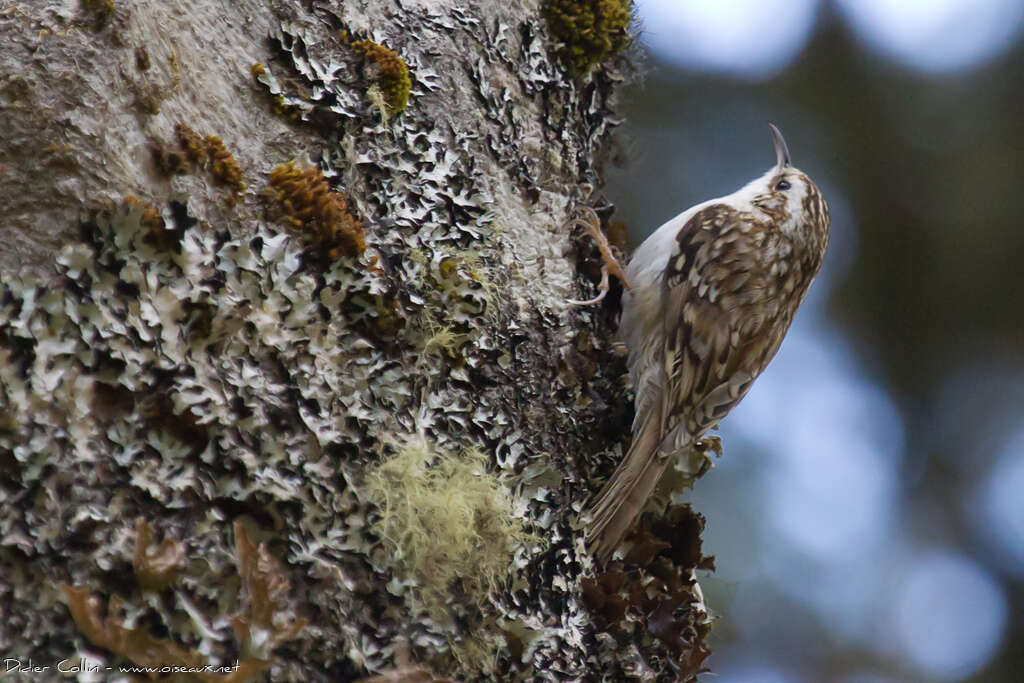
column 783, row 185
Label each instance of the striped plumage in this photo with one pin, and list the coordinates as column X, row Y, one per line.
column 713, row 292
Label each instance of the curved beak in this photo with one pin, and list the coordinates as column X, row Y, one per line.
column 781, row 151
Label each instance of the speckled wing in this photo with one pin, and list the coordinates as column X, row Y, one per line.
column 709, row 357
column 718, row 315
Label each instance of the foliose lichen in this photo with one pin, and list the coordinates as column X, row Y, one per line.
column 156, row 566
column 274, row 91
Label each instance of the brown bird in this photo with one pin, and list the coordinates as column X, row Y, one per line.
column 711, row 295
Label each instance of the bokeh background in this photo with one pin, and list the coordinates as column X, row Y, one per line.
column 868, row 515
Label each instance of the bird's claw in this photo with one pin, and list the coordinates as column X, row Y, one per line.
column 591, row 224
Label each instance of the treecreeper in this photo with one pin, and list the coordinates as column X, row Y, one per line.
column 708, row 299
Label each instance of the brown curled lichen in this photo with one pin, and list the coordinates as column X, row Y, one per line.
column 260, row 627
column 156, row 565
column 653, row 587
column 266, row 586
column 392, row 74
column 590, row 30
column 138, row 645
column 135, row 644
column 223, row 166
column 306, row 203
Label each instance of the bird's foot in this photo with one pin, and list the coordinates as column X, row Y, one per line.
column 586, row 218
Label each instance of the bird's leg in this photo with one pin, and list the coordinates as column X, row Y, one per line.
column 591, row 224
column 602, row 289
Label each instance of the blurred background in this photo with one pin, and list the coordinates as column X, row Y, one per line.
column 868, row 514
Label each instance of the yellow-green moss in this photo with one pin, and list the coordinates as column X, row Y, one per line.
column 589, row 30
column 445, row 520
column 304, row 201
column 392, row 75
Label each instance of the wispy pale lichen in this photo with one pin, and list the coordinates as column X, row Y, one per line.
column 446, row 520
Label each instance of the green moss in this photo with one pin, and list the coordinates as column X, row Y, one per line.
column 445, row 520
column 590, row 30
column 392, row 82
column 304, row 201
column 100, row 11
column 142, row 61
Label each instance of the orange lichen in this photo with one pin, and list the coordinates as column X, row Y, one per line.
column 392, row 74
column 223, row 166
column 175, row 64
column 156, row 228
column 148, row 98
column 210, row 152
column 156, row 566
column 265, row 585
column 191, row 143
column 306, row 203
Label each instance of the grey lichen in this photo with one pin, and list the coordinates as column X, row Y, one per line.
column 197, row 367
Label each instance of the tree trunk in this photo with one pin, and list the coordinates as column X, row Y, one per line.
column 288, row 380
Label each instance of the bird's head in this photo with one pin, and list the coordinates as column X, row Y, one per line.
column 789, row 199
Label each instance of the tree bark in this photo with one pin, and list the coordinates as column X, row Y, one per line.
column 205, row 351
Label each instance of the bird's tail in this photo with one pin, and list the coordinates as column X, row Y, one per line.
column 624, row 496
